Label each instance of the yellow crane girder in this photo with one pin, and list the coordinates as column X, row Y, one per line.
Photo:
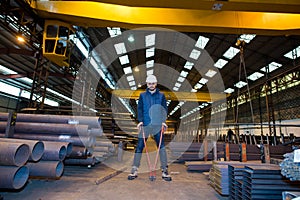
column 174, row 96
column 233, row 16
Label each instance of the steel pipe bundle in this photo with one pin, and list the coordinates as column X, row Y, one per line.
column 47, row 128
column 78, row 161
column 36, row 148
column 46, row 169
column 91, row 121
column 54, row 151
column 15, row 154
column 13, row 177
column 79, row 152
column 75, row 140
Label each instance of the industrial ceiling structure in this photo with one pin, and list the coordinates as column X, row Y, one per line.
column 267, row 33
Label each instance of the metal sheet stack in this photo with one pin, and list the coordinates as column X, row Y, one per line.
column 219, row 178
column 258, row 181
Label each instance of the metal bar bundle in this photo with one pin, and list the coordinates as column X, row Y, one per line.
column 15, row 154
column 46, row 169
column 13, row 177
column 36, row 147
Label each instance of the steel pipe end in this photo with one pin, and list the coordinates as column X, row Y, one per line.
column 37, row 151
column 20, row 177
column 62, row 153
column 59, row 169
column 21, row 155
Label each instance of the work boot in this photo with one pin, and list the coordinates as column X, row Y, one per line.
column 133, row 174
column 165, row 175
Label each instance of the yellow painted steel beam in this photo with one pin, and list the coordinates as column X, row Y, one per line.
column 174, row 96
column 191, row 16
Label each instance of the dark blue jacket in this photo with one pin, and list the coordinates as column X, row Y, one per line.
column 152, row 108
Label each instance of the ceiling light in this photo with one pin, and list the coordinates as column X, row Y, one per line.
column 136, row 69
column 20, row 38
column 247, row 37
column 131, row 83
column 131, row 38
column 175, row 88
column 193, row 90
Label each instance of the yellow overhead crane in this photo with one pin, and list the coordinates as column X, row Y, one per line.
column 174, row 96
column 266, row 17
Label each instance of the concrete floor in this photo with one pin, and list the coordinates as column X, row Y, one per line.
column 79, row 183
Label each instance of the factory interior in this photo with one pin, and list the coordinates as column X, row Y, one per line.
column 72, row 78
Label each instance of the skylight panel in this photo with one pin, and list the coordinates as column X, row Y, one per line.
column 150, row 40
column 247, row 37
column 195, row 54
column 295, row 53
column 175, row 88
column 229, row 90
column 5, row 70
column 149, row 72
column 133, row 88
column 124, row 59
column 193, row 90
column 130, row 78
column 180, row 79
column 150, row 52
column 177, row 85
column 272, row 66
column 201, row 42
column 220, row 63
column 198, row 86
column 203, row 81
column 210, row 73
column 131, row 83
column 127, row 70
column 188, row 65
column 120, row 48
column 184, row 74
column 255, row 76
column 231, row 52
column 150, row 63
column 240, row 84
column 114, row 31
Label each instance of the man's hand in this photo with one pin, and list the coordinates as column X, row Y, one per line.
column 139, row 125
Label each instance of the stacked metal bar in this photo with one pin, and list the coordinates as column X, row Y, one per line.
column 290, row 168
column 184, row 151
column 220, row 179
column 235, row 173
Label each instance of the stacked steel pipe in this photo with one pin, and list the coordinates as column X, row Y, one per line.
column 13, row 156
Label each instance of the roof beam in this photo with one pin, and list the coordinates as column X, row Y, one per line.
column 235, row 17
column 174, row 96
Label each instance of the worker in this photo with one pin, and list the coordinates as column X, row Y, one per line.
column 152, row 114
column 230, row 133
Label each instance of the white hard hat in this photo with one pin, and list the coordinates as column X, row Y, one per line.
column 151, row 79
